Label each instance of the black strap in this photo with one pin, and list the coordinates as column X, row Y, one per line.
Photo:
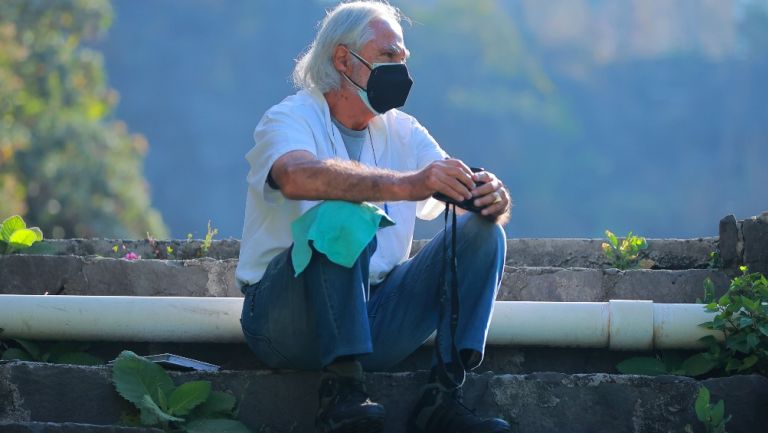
column 449, row 300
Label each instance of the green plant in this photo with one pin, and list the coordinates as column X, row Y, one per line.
column 56, row 353
column 715, row 261
column 623, row 254
column 191, row 407
column 711, row 415
column 664, row 363
column 210, row 233
column 15, row 236
column 742, row 317
column 66, row 162
column 709, row 292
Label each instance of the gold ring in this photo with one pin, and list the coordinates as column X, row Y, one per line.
column 498, row 199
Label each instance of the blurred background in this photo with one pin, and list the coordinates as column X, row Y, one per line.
column 123, row 117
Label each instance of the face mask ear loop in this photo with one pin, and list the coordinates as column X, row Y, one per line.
column 353, row 83
column 357, row 56
column 364, row 62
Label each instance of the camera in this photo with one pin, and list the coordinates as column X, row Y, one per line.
column 467, row 204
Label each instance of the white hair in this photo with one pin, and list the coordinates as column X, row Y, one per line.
column 346, row 24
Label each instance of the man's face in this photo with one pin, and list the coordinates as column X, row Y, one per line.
column 387, row 46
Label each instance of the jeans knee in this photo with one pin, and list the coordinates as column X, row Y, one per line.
column 480, row 234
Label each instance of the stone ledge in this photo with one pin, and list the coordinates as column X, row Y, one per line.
column 52, row 427
column 557, row 252
column 72, row 275
column 285, row 401
column 498, row 359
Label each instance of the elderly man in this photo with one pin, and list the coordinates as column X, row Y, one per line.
column 340, row 138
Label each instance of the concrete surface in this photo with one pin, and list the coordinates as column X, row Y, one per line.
column 285, row 401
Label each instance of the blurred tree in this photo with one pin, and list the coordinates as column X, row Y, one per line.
column 64, row 164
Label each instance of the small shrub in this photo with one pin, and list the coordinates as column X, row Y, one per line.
column 715, row 261
column 623, row 254
column 56, row 353
column 191, row 407
column 742, row 317
column 210, row 233
column 711, row 415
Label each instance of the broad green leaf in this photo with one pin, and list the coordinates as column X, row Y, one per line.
column 718, row 412
column 147, row 416
column 642, row 365
column 187, row 396
column 162, row 400
column 752, row 340
column 77, row 358
column 708, row 325
column 672, row 361
column 749, row 361
column 148, row 405
column 16, row 353
column 732, row 365
column 216, row 426
column 709, row 340
column 702, row 404
column 724, row 300
column 134, row 377
column 30, row 347
column 738, row 343
column 218, row 404
column 38, row 233
column 10, row 225
column 612, row 238
column 744, row 322
column 23, row 238
column 718, row 323
column 763, row 327
column 698, row 364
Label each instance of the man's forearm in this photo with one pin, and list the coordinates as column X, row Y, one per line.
column 334, row 179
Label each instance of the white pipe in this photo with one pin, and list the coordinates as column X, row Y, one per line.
column 617, row 325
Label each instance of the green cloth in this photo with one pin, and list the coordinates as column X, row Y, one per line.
column 338, row 229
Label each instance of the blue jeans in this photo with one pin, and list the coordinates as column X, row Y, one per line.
column 329, row 311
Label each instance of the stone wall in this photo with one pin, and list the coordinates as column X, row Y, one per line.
column 744, row 243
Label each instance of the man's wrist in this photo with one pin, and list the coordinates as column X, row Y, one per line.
column 401, row 187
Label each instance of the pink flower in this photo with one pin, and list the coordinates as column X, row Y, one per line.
column 131, row 256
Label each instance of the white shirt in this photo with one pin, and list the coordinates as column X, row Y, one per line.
column 303, row 122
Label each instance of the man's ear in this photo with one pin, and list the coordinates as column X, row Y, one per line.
column 341, row 59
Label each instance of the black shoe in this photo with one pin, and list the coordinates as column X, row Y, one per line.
column 440, row 410
column 346, row 408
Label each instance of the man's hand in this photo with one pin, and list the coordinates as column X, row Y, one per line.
column 448, row 176
column 492, row 197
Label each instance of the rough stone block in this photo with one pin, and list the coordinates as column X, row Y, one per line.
column 286, row 401
column 551, row 284
column 74, row 275
column 663, row 285
column 50, row 427
column 597, row 285
column 730, row 243
column 755, row 234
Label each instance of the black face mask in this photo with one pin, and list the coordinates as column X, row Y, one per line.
column 388, row 85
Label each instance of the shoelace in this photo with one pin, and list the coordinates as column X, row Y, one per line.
column 458, row 397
